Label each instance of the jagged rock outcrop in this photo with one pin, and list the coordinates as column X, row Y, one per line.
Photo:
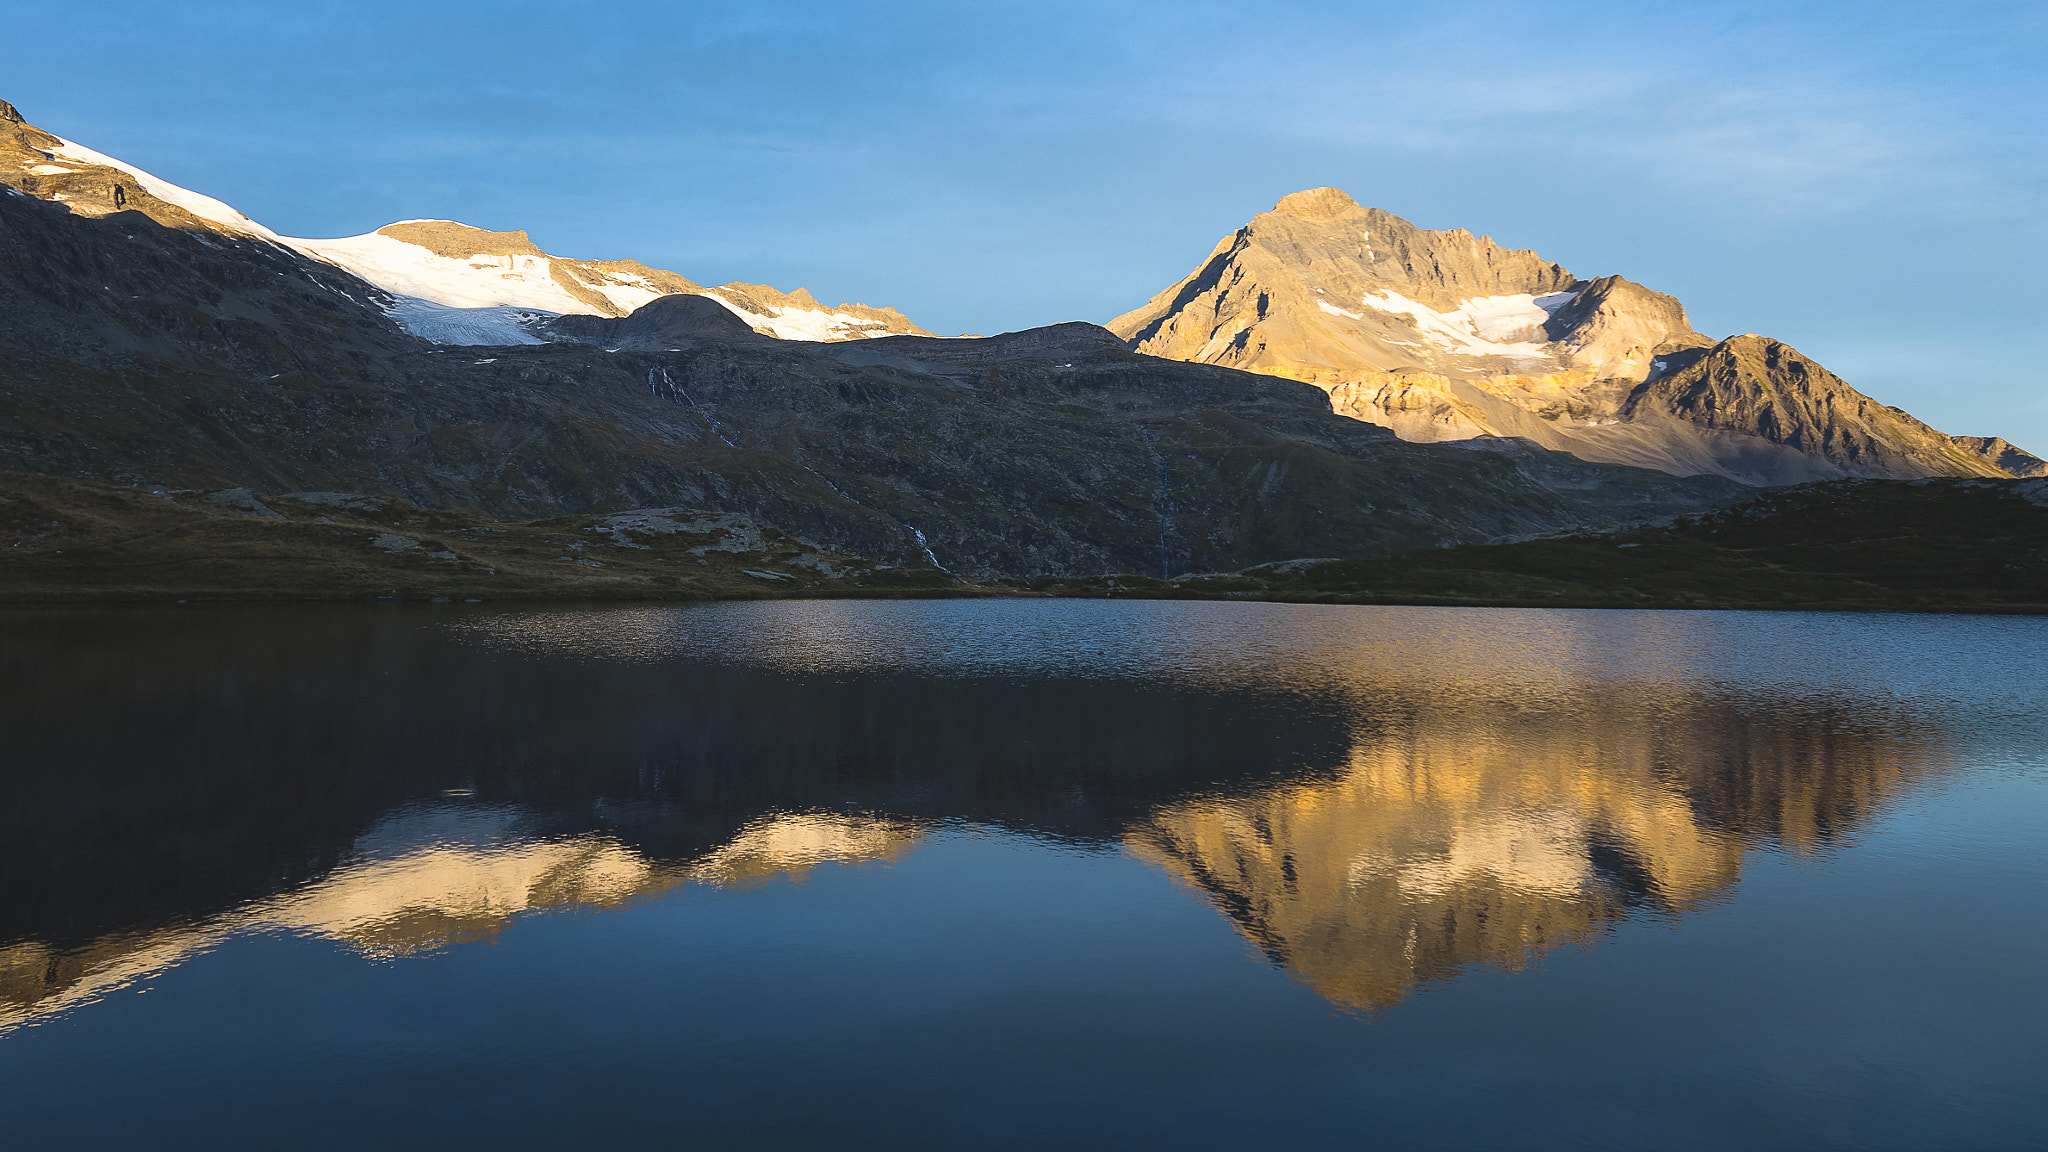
column 1621, row 329
column 2006, row 457
column 1447, row 336
column 1762, row 387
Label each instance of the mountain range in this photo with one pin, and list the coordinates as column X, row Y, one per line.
column 1447, row 336
column 161, row 340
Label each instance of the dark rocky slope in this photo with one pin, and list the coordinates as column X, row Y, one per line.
column 1931, row 545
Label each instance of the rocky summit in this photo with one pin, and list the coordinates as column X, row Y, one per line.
column 1446, row 336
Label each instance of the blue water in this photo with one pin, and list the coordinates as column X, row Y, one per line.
column 1027, row 875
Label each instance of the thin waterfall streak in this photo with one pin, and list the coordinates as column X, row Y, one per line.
column 919, row 533
column 828, row 483
column 675, row 393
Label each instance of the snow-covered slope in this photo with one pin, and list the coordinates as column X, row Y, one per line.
column 1509, row 326
column 479, row 280
column 461, row 268
column 798, row 316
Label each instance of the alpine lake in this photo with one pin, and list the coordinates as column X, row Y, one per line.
column 1022, row 874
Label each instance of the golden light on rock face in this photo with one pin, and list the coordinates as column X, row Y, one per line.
column 464, row 884
column 1483, row 836
column 790, row 846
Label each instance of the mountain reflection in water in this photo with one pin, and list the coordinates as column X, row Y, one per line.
column 1375, row 798
column 425, row 879
column 1473, row 830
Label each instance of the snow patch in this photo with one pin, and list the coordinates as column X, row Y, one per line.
column 1333, row 310
column 627, row 297
column 805, row 323
column 1509, row 325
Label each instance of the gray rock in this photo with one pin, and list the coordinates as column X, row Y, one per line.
column 350, row 501
column 659, row 324
column 1290, row 567
column 242, row 500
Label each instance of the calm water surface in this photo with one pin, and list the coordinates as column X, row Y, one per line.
column 1022, row 875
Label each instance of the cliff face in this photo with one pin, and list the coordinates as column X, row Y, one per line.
column 1617, row 328
column 2007, row 457
column 1447, row 336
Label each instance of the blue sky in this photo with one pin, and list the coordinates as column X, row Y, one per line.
column 1867, row 181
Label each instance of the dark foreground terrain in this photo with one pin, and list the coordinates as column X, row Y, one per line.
column 1883, row 545
column 1852, row 545
column 77, row 541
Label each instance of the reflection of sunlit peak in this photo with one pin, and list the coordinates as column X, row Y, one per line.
column 790, row 845
column 448, row 892
column 425, row 878
column 1482, row 831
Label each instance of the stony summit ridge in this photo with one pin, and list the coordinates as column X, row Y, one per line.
column 1448, row 336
